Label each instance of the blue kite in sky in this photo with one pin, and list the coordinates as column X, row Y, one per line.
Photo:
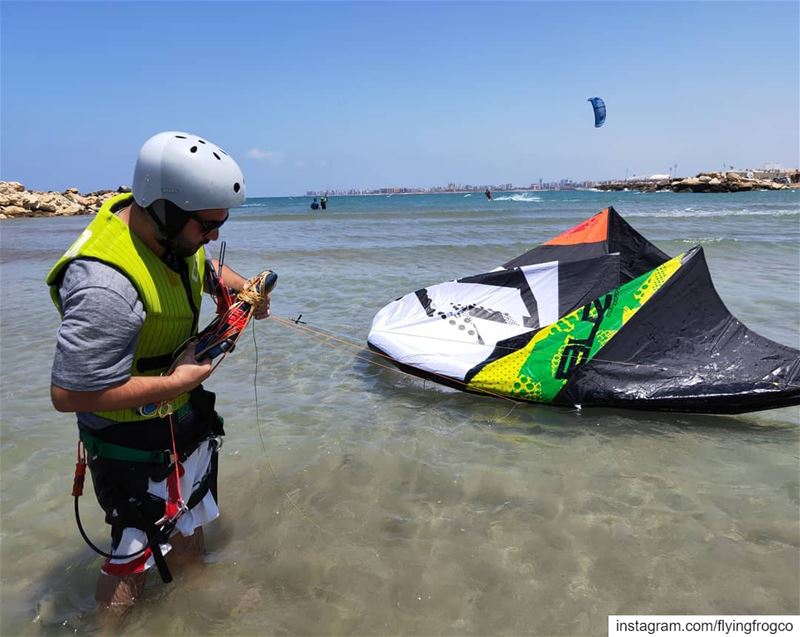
column 599, row 107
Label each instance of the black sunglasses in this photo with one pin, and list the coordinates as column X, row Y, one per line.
column 206, row 225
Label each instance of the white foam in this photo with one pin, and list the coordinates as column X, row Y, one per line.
column 524, row 197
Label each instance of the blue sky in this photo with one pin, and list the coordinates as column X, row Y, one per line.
column 368, row 94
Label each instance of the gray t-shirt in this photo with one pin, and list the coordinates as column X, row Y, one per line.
column 102, row 317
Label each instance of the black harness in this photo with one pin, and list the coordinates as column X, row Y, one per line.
column 125, row 456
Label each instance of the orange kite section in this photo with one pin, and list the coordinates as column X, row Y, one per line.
column 593, row 230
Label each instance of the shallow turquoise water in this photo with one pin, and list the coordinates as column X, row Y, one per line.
column 357, row 500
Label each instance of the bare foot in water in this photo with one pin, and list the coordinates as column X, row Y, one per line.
column 115, row 596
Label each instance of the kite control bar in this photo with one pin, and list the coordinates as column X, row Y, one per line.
column 220, row 336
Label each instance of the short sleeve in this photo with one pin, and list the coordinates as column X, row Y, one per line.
column 102, row 318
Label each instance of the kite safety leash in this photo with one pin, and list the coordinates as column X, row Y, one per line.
column 77, row 491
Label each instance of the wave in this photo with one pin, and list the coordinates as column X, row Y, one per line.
column 689, row 212
column 252, row 205
column 524, row 197
column 707, row 240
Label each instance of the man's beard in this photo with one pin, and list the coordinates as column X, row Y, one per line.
column 181, row 247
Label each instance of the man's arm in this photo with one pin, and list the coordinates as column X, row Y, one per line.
column 137, row 390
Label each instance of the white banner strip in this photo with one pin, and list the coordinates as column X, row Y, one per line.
column 713, row 625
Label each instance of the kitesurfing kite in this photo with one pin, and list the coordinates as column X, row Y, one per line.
column 597, row 316
column 599, row 107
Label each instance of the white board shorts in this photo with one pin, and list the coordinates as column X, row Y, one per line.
column 134, row 541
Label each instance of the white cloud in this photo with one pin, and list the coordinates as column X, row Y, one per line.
column 272, row 156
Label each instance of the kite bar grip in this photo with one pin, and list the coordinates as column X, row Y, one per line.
column 215, row 350
column 208, row 349
column 269, row 282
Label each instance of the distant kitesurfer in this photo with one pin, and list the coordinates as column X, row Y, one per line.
column 323, row 201
column 488, row 193
column 314, row 204
column 129, row 292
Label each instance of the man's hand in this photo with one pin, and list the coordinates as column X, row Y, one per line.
column 237, row 282
column 188, row 372
column 262, row 311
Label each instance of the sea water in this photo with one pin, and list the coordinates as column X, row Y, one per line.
column 359, row 500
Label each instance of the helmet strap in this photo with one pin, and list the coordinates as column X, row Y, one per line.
column 169, row 220
column 157, row 217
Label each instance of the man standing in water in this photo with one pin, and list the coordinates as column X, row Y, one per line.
column 129, row 292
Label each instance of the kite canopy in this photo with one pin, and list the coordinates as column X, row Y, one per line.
column 597, row 316
column 599, row 107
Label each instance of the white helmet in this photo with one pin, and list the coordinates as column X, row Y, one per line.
column 191, row 172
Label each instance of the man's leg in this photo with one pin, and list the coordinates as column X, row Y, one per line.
column 187, row 549
column 116, row 594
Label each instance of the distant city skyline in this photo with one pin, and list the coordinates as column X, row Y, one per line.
column 452, row 187
column 769, row 169
column 359, row 95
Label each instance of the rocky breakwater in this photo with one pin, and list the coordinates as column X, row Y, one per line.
column 17, row 201
column 703, row 182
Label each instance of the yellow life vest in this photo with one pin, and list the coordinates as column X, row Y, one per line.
column 169, row 316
